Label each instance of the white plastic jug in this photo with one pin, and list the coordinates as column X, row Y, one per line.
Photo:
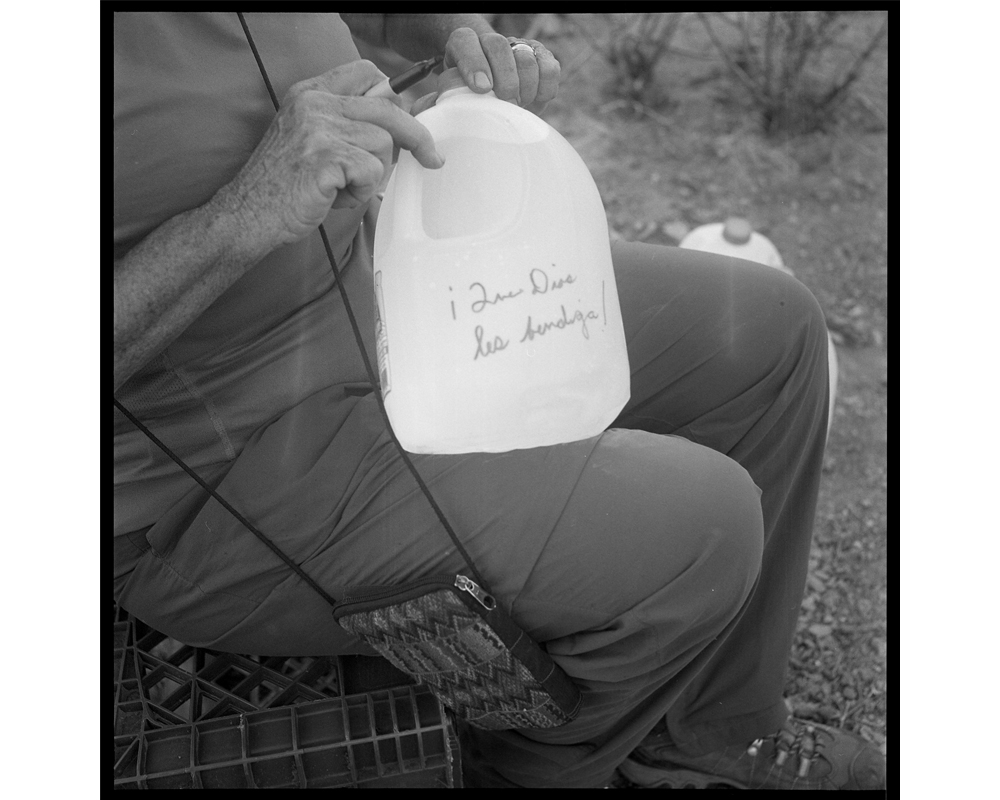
column 736, row 237
column 497, row 318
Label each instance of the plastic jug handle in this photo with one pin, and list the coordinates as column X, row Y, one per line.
column 407, row 220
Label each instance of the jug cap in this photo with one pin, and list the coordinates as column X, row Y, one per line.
column 737, row 230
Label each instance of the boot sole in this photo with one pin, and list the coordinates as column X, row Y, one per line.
column 680, row 778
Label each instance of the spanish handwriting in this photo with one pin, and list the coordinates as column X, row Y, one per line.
column 487, row 348
column 541, row 328
column 484, row 300
column 540, row 282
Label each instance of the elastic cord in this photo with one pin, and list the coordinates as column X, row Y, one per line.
column 364, row 354
column 225, row 504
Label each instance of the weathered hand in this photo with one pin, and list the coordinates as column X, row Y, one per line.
column 328, row 146
column 529, row 78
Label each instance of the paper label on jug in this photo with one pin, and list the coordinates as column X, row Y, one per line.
column 381, row 338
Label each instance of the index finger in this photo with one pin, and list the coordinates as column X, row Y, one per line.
column 383, row 89
column 406, row 132
column 350, row 80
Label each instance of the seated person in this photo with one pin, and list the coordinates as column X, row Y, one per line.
column 661, row 563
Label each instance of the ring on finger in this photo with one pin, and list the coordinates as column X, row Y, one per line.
column 522, row 45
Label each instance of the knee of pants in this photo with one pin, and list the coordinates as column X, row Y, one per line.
column 804, row 316
column 712, row 534
column 789, row 345
column 734, row 542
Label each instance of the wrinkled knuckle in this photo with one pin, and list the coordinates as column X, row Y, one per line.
column 294, row 91
column 347, row 129
column 305, row 87
column 304, row 97
column 304, row 102
column 316, row 148
column 494, row 40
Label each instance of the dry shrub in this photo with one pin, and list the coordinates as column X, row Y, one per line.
column 797, row 67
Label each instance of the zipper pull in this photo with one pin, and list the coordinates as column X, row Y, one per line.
column 487, row 601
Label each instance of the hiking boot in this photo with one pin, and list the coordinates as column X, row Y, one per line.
column 799, row 756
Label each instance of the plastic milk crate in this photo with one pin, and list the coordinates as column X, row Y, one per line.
column 192, row 718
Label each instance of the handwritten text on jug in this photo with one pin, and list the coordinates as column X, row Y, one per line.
column 482, row 298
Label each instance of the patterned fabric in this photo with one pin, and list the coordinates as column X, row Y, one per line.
column 447, row 646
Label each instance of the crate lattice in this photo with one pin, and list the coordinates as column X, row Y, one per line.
column 187, row 717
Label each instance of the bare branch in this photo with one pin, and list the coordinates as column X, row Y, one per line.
column 641, row 109
column 722, row 16
column 806, row 47
column 664, row 33
column 768, row 53
column 570, row 69
column 600, row 48
column 837, row 24
column 855, row 71
column 733, row 66
column 680, row 51
column 747, row 44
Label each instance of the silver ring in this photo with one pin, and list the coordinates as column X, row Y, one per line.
column 515, row 46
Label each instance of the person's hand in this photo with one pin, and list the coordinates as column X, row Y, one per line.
column 328, row 146
column 527, row 75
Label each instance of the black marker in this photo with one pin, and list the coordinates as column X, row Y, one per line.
column 416, row 73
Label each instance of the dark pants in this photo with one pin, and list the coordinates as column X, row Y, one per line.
column 661, row 563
